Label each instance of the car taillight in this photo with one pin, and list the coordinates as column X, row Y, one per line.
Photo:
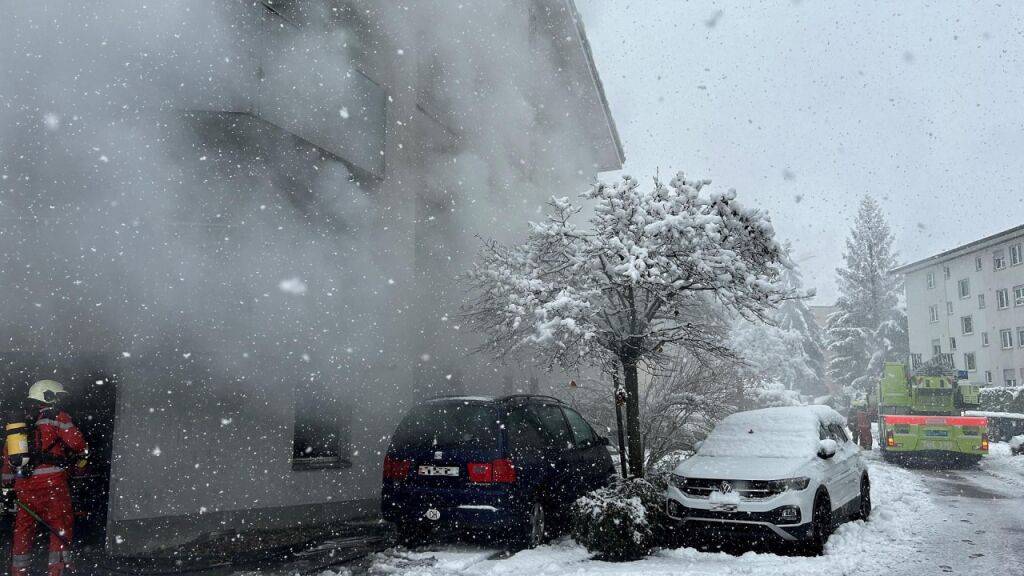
column 498, row 471
column 504, row 471
column 984, row 442
column 889, row 440
column 396, row 469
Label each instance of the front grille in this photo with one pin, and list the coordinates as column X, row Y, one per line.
column 747, row 489
column 775, row 516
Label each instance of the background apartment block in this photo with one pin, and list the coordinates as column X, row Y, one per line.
column 969, row 301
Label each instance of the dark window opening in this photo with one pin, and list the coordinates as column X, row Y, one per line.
column 322, row 430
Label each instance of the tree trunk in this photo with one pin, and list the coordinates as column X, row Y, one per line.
column 636, row 448
column 623, row 465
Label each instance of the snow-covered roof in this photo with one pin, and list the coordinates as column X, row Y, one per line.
column 783, row 432
column 981, row 244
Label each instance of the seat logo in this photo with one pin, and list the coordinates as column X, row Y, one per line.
column 725, row 487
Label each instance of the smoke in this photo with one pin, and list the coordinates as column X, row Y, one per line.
column 153, row 213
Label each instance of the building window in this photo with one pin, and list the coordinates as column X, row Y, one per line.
column 949, row 308
column 1016, row 256
column 1018, row 295
column 966, row 325
column 322, row 434
column 930, row 279
column 1006, row 338
column 936, row 348
column 964, row 288
column 977, row 263
column 984, row 338
column 1002, row 298
column 952, row 343
column 998, row 260
column 1010, row 377
column 945, row 272
column 933, row 313
column 969, row 361
column 1020, row 336
column 981, row 301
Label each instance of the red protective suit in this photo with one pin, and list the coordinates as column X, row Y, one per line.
column 45, row 491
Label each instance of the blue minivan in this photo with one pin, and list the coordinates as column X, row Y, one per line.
column 509, row 467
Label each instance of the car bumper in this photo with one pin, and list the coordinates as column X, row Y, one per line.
column 746, row 518
column 473, row 509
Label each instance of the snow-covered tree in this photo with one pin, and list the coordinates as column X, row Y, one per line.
column 793, row 315
column 632, row 282
column 679, row 405
column 773, row 361
column 868, row 327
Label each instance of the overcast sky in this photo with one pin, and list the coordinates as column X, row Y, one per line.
column 804, row 107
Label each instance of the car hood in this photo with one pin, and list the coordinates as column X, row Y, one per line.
column 741, row 468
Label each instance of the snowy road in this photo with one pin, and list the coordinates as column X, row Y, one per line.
column 924, row 522
column 980, row 529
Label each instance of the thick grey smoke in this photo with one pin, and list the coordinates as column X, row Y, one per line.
column 151, row 213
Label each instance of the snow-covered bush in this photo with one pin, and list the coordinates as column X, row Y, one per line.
column 1002, row 399
column 622, row 522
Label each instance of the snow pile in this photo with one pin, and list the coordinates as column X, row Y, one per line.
column 880, row 546
column 1003, row 464
column 781, row 432
column 1017, row 444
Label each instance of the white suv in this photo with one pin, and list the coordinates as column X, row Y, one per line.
column 790, row 473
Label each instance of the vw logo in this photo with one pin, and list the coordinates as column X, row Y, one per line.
column 725, row 487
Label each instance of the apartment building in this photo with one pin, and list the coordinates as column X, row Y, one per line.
column 250, row 270
column 969, row 301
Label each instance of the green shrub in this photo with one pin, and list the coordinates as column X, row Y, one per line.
column 622, row 522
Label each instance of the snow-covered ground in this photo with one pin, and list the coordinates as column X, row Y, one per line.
column 874, row 547
column 1001, row 463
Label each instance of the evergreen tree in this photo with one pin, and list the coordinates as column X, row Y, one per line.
column 793, row 315
column 868, row 328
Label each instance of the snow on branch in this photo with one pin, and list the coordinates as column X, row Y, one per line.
column 622, row 285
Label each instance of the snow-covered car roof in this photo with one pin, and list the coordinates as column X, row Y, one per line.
column 785, row 432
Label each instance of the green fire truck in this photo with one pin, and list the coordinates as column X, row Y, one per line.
column 920, row 414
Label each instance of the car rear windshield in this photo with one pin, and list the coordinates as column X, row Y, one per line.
column 449, row 424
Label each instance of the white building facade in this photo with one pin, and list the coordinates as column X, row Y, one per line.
column 969, row 301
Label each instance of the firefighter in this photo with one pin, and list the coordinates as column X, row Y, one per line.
column 41, row 485
column 853, row 421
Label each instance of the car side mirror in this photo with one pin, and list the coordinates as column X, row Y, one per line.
column 603, row 441
column 697, row 445
column 827, row 448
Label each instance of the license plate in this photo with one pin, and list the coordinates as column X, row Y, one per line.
column 724, row 507
column 936, row 433
column 439, row 470
column 936, row 445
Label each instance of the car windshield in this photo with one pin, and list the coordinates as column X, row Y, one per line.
column 770, row 433
column 448, row 424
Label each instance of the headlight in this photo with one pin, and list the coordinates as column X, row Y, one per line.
column 678, row 481
column 789, row 484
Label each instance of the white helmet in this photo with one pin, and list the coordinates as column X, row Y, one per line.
column 46, row 391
